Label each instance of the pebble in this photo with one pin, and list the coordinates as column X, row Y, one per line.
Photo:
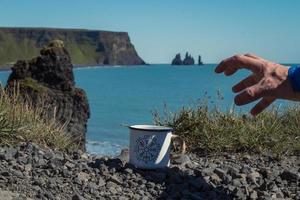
column 101, row 182
column 215, row 179
column 221, row 173
column 253, row 195
column 290, row 175
column 77, row 197
column 253, row 177
column 83, row 177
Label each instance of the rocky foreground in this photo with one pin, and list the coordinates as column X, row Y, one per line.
column 31, row 172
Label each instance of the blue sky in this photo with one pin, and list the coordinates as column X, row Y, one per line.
column 161, row 28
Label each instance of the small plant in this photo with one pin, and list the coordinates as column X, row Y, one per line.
column 272, row 131
column 21, row 122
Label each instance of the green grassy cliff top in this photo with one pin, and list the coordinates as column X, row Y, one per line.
column 86, row 47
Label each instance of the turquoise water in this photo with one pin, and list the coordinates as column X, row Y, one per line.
column 128, row 95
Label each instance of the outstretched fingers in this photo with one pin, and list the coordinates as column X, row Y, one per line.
column 262, row 104
column 230, row 65
column 247, row 82
column 249, row 95
column 253, row 56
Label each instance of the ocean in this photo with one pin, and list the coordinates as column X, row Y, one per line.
column 129, row 94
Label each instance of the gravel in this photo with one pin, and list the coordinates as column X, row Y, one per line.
column 30, row 172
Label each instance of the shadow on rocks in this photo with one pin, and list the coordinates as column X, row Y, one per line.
column 176, row 183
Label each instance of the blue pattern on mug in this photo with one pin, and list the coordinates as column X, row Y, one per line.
column 147, row 148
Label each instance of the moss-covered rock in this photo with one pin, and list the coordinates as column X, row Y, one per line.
column 56, row 43
column 33, row 85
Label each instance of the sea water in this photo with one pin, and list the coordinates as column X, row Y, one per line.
column 129, row 95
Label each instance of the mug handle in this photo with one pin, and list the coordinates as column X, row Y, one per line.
column 183, row 146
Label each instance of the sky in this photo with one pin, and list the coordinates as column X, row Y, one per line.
column 159, row 29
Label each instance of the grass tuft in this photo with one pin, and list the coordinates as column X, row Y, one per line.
column 33, row 85
column 272, row 131
column 21, row 122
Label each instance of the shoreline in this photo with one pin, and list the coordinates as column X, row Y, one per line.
column 79, row 66
column 75, row 67
column 8, row 68
column 5, row 69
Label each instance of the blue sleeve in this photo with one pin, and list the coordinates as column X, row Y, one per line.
column 294, row 76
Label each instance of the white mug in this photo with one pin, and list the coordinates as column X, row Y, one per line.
column 150, row 146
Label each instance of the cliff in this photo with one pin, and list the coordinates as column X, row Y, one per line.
column 86, row 47
column 48, row 81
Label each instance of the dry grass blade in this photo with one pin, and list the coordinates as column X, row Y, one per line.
column 22, row 122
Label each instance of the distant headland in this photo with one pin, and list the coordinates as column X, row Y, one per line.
column 188, row 60
column 86, row 47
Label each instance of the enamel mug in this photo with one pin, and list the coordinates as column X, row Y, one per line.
column 150, row 146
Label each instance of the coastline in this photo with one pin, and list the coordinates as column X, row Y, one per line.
column 5, row 68
column 8, row 68
column 101, row 65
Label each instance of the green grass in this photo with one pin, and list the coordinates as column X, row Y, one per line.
column 273, row 131
column 10, row 49
column 21, row 122
column 13, row 48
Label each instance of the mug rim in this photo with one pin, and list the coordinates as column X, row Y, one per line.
column 144, row 127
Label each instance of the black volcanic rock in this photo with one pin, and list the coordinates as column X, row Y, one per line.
column 49, row 78
column 188, row 60
column 199, row 60
column 177, row 60
column 77, row 175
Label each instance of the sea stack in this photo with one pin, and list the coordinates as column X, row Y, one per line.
column 177, row 60
column 199, row 60
column 49, row 78
column 188, row 60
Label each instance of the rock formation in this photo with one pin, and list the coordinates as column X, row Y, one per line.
column 188, row 60
column 86, row 47
column 50, row 77
column 177, row 60
column 199, row 60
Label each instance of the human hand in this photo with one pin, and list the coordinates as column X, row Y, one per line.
column 268, row 81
